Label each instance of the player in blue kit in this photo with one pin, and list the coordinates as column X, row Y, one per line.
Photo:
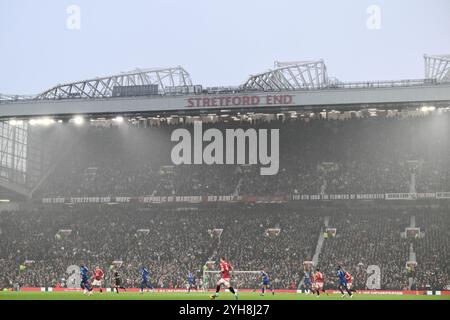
column 144, row 279
column 265, row 283
column 85, row 285
column 190, row 281
column 342, row 281
column 307, row 281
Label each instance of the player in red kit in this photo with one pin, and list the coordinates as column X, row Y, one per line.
column 225, row 269
column 318, row 282
column 349, row 279
column 98, row 278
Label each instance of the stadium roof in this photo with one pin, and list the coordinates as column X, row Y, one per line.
column 437, row 67
column 286, row 76
column 290, row 76
column 103, row 87
column 293, row 84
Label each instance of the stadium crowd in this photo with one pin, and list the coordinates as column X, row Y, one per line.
column 433, row 250
column 361, row 155
column 369, row 237
column 171, row 242
column 317, row 156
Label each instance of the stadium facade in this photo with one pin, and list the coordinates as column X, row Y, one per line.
column 144, row 96
column 289, row 86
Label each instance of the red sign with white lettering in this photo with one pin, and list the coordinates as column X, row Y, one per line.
column 230, row 101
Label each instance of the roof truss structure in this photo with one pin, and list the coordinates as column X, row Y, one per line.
column 103, row 87
column 14, row 97
column 290, row 76
column 437, row 67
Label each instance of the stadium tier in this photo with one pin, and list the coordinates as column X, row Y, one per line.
column 370, row 155
column 403, row 154
column 179, row 241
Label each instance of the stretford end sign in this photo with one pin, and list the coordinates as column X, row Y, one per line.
column 227, row 101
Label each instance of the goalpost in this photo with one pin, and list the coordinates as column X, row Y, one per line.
column 239, row 279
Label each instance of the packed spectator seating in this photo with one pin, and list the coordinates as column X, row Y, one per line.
column 179, row 241
column 433, row 250
column 368, row 155
column 372, row 155
column 369, row 237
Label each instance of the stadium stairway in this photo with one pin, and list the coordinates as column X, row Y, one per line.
column 412, row 222
column 237, row 190
column 412, row 254
column 213, row 252
column 320, row 243
column 412, row 183
column 412, row 257
column 323, row 187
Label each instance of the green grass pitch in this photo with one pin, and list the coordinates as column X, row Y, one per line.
column 201, row 296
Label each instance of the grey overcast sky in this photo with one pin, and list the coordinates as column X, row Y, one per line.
column 219, row 42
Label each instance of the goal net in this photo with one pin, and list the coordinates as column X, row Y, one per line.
column 239, row 279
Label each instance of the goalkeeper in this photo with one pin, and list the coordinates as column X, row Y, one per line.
column 205, row 279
